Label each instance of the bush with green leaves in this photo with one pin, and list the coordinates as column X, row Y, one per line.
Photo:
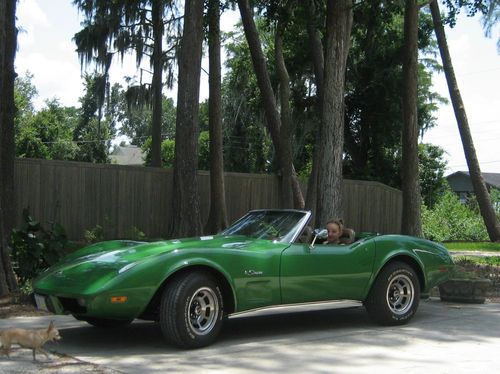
column 35, row 248
column 449, row 219
column 495, row 200
column 99, row 233
column 134, row 233
column 94, row 235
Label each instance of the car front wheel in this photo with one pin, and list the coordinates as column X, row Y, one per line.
column 395, row 295
column 191, row 311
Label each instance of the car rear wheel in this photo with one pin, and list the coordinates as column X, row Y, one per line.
column 395, row 295
column 191, row 311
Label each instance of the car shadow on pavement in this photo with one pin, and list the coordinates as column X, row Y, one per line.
column 314, row 341
column 144, row 337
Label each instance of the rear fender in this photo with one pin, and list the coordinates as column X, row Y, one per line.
column 402, row 255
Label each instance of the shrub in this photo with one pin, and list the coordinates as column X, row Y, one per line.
column 134, row 233
column 451, row 220
column 99, row 233
column 35, row 248
column 94, row 235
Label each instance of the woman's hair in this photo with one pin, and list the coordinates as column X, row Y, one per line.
column 338, row 222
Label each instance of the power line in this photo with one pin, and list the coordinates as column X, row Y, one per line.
column 477, row 72
column 480, row 163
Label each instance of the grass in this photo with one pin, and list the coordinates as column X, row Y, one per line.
column 473, row 246
column 483, row 260
column 495, row 261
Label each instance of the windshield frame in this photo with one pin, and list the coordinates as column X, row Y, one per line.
column 290, row 236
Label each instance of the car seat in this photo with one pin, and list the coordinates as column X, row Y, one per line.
column 348, row 236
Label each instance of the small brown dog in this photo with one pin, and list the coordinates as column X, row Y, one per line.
column 33, row 339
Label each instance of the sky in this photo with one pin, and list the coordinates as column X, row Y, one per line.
column 46, row 49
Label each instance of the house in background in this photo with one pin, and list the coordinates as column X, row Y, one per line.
column 461, row 183
column 127, row 155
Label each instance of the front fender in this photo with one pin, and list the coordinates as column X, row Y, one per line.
column 184, row 264
column 197, row 261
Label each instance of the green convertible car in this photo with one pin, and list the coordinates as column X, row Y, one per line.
column 268, row 258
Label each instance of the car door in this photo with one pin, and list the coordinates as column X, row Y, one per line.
column 326, row 272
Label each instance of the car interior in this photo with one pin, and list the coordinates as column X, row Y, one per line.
column 348, row 236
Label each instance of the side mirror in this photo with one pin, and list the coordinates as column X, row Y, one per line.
column 318, row 234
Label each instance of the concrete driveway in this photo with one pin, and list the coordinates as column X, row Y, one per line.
column 442, row 338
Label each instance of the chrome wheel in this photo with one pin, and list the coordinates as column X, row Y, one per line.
column 395, row 294
column 400, row 294
column 203, row 311
column 191, row 310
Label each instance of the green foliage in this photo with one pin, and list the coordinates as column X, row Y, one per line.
column 94, row 129
column 472, row 203
column 451, row 220
column 203, row 116
column 373, row 89
column 247, row 145
column 471, row 7
column 488, row 260
column 472, row 246
column 35, row 248
column 47, row 133
column 136, row 120
column 495, row 200
column 204, row 151
column 99, row 233
column 94, row 235
column 460, row 270
column 134, row 233
column 24, row 93
column 474, row 267
column 113, row 28
column 25, row 291
column 66, row 133
column 168, row 152
column 431, row 171
column 491, row 18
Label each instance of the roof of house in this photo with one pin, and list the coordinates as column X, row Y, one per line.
column 492, row 179
column 127, row 155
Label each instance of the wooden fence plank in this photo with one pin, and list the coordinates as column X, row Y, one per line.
column 80, row 196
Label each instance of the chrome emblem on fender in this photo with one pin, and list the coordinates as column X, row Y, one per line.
column 253, row 272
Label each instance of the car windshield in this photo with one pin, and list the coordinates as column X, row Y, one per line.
column 279, row 225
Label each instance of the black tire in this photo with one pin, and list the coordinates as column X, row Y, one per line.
column 191, row 311
column 395, row 295
column 104, row 322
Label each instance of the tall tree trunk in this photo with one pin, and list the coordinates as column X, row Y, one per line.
column 338, row 33
column 482, row 195
column 318, row 64
column 157, row 84
column 411, row 223
column 287, row 129
column 269, row 103
column 217, row 218
column 186, row 208
column 8, row 45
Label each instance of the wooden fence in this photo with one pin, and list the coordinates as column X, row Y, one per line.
column 119, row 198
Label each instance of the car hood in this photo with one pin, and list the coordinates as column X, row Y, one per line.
column 94, row 266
